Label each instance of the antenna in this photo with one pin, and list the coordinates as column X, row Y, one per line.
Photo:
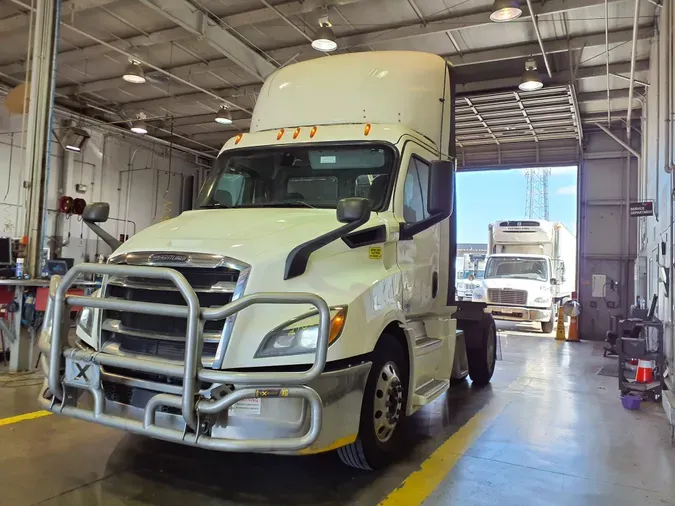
column 536, row 194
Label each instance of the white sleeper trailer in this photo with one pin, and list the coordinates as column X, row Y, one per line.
column 307, row 303
column 530, row 271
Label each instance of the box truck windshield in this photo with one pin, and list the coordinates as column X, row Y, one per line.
column 316, row 176
column 517, row 267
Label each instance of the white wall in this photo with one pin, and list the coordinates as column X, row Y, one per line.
column 656, row 182
column 104, row 167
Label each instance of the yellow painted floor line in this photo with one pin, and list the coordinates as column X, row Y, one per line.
column 26, row 416
column 420, row 484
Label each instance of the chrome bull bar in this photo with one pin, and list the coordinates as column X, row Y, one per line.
column 192, row 407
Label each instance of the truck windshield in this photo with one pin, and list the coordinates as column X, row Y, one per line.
column 517, row 267
column 310, row 176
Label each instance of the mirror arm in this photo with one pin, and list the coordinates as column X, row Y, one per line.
column 105, row 236
column 409, row 230
column 298, row 258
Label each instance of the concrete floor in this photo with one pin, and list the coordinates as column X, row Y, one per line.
column 559, row 436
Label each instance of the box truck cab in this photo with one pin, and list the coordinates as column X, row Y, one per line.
column 307, row 302
column 470, row 274
column 530, row 271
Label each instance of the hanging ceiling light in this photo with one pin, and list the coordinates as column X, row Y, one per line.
column 505, row 10
column 324, row 38
column 531, row 80
column 223, row 117
column 134, row 73
column 75, row 139
column 140, row 126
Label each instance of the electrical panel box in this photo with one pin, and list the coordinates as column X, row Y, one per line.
column 598, row 283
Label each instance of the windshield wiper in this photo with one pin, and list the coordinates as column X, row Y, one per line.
column 288, row 203
column 215, row 206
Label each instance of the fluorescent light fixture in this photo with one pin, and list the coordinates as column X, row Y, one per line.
column 223, row 117
column 324, row 39
column 505, row 10
column 75, row 139
column 134, row 73
column 530, row 80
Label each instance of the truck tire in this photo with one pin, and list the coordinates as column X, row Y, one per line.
column 382, row 410
column 481, row 349
column 547, row 327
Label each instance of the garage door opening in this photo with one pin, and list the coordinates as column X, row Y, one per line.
column 517, row 243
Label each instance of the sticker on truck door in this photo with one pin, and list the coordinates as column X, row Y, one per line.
column 375, row 253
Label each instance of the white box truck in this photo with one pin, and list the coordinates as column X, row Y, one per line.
column 307, row 303
column 530, row 271
column 469, row 274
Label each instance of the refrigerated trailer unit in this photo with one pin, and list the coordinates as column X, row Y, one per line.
column 530, row 271
column 307, row 303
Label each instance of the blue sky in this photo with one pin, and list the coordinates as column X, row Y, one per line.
column 489, row 196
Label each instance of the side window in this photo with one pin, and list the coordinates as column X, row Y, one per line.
column 415, row 191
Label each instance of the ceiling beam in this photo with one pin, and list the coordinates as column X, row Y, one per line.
column 552, row 46
column 137, row 43
column 165, row 103
column 595, row 96
column 199, row 119
column 68, row 8
column 441, row 23
column 412, row 28
column 185, row 14
column 559, row 78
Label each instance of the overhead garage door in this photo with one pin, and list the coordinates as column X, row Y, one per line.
column 517, row 129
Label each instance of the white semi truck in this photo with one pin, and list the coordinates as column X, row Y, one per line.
column 530, row 271
column 307, row 303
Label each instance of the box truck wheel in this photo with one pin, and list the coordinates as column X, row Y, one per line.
column 481, row 349
column 382, row 410
column 547, row 327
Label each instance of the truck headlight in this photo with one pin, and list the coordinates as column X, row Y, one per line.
column 86, row 320
column 542, row 300
column 300, row 335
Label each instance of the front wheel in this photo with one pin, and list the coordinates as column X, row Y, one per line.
column 481, row 349
column 547, row 327
column 382, row 410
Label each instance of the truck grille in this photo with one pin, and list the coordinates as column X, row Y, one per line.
column 501, row 296
column 162, row 336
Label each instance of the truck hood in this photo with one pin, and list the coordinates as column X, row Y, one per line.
column 244, row 234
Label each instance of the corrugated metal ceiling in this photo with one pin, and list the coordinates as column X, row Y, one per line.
column 277, row 30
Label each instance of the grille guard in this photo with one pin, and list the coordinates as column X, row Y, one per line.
column 255, row 384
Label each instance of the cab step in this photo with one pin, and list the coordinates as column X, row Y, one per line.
column 424, row 345
column 429, row 392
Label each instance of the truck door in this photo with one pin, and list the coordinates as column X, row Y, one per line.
column 424, row 273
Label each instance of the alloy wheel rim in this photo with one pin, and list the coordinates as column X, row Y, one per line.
column 388, row 402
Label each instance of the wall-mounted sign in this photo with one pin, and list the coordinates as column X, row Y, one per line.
column 641, row 208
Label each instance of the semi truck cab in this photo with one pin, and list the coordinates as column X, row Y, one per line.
column 307, row 303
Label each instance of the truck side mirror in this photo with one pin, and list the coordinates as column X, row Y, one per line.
column 96, row 212
column 441, row 187
column 353, row 209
